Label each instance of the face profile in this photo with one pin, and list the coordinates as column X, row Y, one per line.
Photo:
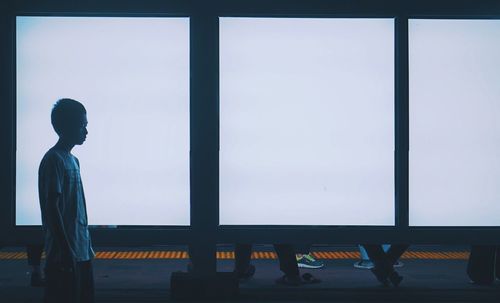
column 78, row 135
column 69, row 119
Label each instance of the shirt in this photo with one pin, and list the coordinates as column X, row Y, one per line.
column 59, row 173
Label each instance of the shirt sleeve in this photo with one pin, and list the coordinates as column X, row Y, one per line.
column 51, row 175
column 77, row 162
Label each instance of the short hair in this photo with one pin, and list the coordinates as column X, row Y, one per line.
column 64, row 114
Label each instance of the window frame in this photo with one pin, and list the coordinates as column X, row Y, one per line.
column 205, row 231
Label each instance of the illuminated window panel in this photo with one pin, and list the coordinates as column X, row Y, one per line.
column 454, row 124
column 132, row 74
column 306, row 121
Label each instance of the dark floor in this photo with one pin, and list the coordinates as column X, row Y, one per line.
column 425, row 280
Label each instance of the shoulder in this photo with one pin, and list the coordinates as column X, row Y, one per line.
column 53, row 155
column 52, row 158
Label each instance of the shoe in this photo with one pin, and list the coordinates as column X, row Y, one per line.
column 307, row 278
column 381, row 275
column 364, row 264
column 308, row 261
column 482, row 283
column 249, row 272
column 36, row 280
column 395, row 278
column 367, row 264
column 289, row 280
column 386, row 274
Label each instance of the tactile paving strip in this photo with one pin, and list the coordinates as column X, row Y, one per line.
column 325, row 255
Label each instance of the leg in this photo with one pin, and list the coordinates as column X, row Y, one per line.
column 34, row 253
column 61, row 286
column 286, row 256
column 191, row 253
column 242, row 253
column 363, row 254
column 86, row 292
column 395, row 252
column 497, row 263
column 383, row 266
column 51, row 287
column 364, row 262
column 375, row 253
column 288, row 265
column 480, row 267
column 302, row 249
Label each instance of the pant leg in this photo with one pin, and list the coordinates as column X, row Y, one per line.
column 303, row 249
column 375, row 253
column 286, row 256
column 34, row 253
column 85, row 282
column 192, row 256
column 363, row 253
column 242, row 254
column 481, row 264
column 395, row 252
column 60, row 285
column 497, row 263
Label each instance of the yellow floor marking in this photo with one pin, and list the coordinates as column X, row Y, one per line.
column 325, row 255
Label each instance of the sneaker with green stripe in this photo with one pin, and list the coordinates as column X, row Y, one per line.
column 308, row 261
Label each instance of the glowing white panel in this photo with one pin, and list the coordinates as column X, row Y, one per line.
column 132, row 74
column 454, row 122
column 306, row 121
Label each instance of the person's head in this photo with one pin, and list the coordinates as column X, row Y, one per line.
column 69, row 119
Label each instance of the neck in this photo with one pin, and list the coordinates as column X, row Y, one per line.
column 64, row 145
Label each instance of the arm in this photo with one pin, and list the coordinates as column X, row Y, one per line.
column 55, row 223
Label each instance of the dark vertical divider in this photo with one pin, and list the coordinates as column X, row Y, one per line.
column 204, row 65
column 203, row 282
column 7, row 120
column 402, row 121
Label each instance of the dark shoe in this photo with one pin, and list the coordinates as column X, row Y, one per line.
column 382, row 275
column 364, row 264
column 307, row 278
column 289, row 280
column 395, row 278
column 482, row 282
column 247, row 274
column 36, row 280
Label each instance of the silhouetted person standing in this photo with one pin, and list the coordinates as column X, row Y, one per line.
column 68, row 248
